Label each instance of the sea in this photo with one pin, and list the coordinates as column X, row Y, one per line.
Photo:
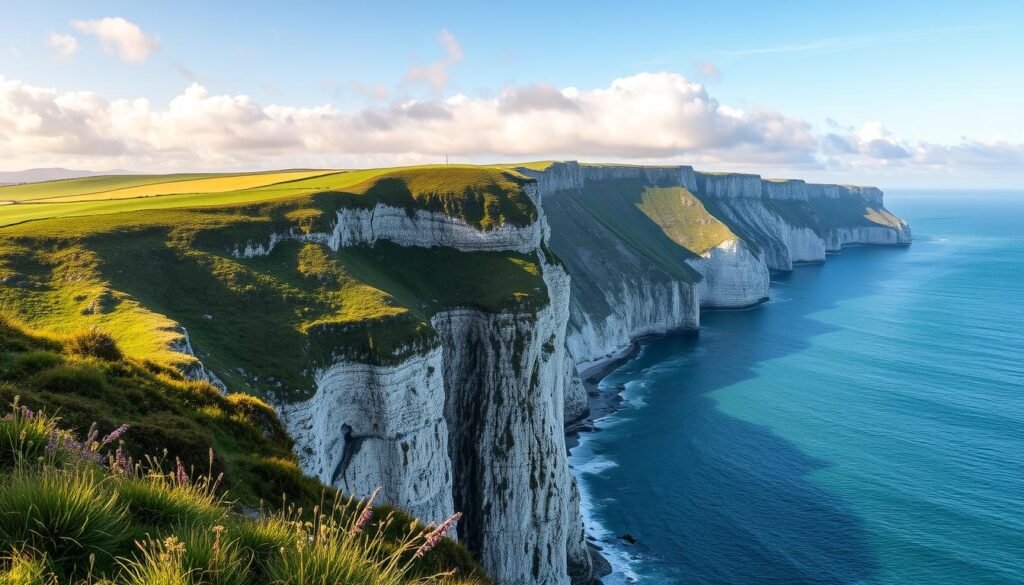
column 866, row 425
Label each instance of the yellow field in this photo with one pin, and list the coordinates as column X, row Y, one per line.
column 209, row 185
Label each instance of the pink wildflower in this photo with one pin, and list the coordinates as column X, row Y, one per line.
column 122, row 462
column 52, row 443
column 435, row 536
column 366, row 514
column 114, row 435
column 181, row 476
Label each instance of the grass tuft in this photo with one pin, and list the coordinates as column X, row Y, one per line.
column 81, row 379
column 24, row 436
column 95, row 343
column 19, row 568
column 72, row 517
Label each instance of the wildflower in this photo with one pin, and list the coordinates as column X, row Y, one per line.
column 434, row 537
column 122, row 462
column 181, row 476
column 53, row 443
column 366, row 514
column 114, row 435
column 26, row 413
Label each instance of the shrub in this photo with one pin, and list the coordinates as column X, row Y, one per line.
column 94, row 343
column 261, row 415
column 68, row 516
column 82, row 379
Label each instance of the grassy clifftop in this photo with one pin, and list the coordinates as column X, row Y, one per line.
column 263, row 323
column 486, row 197
column 80, row 502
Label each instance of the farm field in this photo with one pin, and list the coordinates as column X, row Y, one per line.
column 117, row 194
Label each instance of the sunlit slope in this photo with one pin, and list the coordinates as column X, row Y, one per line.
column 138, row 274
column 683, row 218
column 201, row 185
column 824, row 214
column 71, row 187
column 618, row 228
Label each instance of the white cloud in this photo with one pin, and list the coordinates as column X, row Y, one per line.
column 121, row 37
column 648, row 117
column 435, row 74
column 64, row 46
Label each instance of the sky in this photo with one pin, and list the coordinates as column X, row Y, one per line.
column 896, row 94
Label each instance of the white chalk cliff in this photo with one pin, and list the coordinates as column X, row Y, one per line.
column 473, row 420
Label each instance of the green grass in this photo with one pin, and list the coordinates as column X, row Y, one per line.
column 539, row 165
column 165, row 412
column 66, row 187
column 824, row 214
column 65, row 517
column 623, row 229
column 482, row 196
column 58, row 508
column 683, row 218
column 72, row 273
column 217, row 184
column 83, row 513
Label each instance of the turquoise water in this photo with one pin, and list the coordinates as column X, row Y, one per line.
column 864, row 426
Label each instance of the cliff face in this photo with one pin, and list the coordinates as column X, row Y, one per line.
column 471, row 423
column 628, row 279
column 471, row 418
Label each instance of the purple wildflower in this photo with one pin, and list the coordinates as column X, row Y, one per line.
column 114, row 435
column 122, row 462
column 26, row 413
column 181, row 476
column 366, row 514
column 435, row 536
column 53, row 443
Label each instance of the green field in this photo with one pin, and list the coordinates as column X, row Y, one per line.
column 61, row 188
column 138, row 268
column 198, row 185
column 483, row 196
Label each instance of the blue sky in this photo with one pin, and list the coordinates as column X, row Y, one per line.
column 895, row 93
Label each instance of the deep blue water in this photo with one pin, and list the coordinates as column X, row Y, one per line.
column 864, row 426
